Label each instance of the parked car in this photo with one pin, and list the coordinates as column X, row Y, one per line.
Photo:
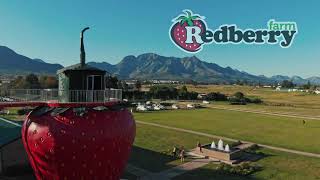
column 141, row 108
column 158, row 107
column 149, row 107
column 175, row 106
column 205, row 102
column 4, row 112
column 6, row 99
column 190, row 106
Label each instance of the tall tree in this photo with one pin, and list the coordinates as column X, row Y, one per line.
column 51, row 82
column 287, row 84
column 239, row 95
column 18, row 83
column 112, row 82
column 32, row 82
column 307, row 86
column 138, row 85
column 124, row 86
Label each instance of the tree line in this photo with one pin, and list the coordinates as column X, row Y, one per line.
column 289, row 84
column 163, row 92
column 170, row 92
column 32, row 81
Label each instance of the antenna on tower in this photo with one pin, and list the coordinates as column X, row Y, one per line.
column 82, row 51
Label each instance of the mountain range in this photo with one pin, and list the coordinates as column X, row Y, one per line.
column 153, row 66
column 13, row 63
column 148, row 66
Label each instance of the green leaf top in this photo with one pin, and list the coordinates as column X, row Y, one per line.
column 189, row 17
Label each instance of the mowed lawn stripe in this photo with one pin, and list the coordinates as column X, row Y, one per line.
column 275, row 164
column 229, row 139
column 276, row 131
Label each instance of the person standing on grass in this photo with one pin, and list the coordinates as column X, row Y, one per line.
column 199, row 146
column 182, row 154
column 174, row 151
column 303, row 122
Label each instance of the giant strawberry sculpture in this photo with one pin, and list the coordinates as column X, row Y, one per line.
column 178, row 32
column 78, row 141
column 85, row 134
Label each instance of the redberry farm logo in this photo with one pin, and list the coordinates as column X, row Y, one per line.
column 182, row 25
column 190, row 33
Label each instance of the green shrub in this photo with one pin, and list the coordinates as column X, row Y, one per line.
column 244, row 169
column 235, row 143
column 238, row 95
column 240, row 99
column 23, row 111
column 216, row 96
column 236, row 101
column 254, row 100
column 254, row 149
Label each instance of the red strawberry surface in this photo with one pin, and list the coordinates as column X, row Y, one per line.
column 94, row 144
column 178, row 31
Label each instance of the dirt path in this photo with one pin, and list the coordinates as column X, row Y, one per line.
column 139, row 172
column 265, row 113
column 177, row 170
column 10, row 122
column 230, row 139
column 183, row 168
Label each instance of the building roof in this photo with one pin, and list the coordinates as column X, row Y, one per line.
column 78, row 67
column 9, row 131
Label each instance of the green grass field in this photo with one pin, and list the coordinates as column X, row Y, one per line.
column 300, row 103
column 13, row 115
column 276, row 166
column 153, row 146
column 8, row 132
column 265, row 129
column 268, row 95
column 156, row 142
column 295, row 111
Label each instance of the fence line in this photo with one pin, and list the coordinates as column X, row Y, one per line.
column 11, row 95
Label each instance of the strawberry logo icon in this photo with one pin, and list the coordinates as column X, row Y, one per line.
column 178, row 31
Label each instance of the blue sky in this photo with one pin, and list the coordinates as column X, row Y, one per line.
column 49, row 30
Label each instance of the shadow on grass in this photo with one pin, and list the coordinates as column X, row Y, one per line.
column 128, row 176
column 19, row 172
column 211, row 173
column 150, row 160
column 254, row 156
column 25, row 172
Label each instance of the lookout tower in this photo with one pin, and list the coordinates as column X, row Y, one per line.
column 81, row 82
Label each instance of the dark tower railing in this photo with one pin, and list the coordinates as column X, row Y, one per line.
column 82, row 51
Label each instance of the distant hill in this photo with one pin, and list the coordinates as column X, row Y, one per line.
column 296, row 79
column 148, row 66
column 314, row 80
column 153, row 66
column 13, row 63
column 103, row 65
